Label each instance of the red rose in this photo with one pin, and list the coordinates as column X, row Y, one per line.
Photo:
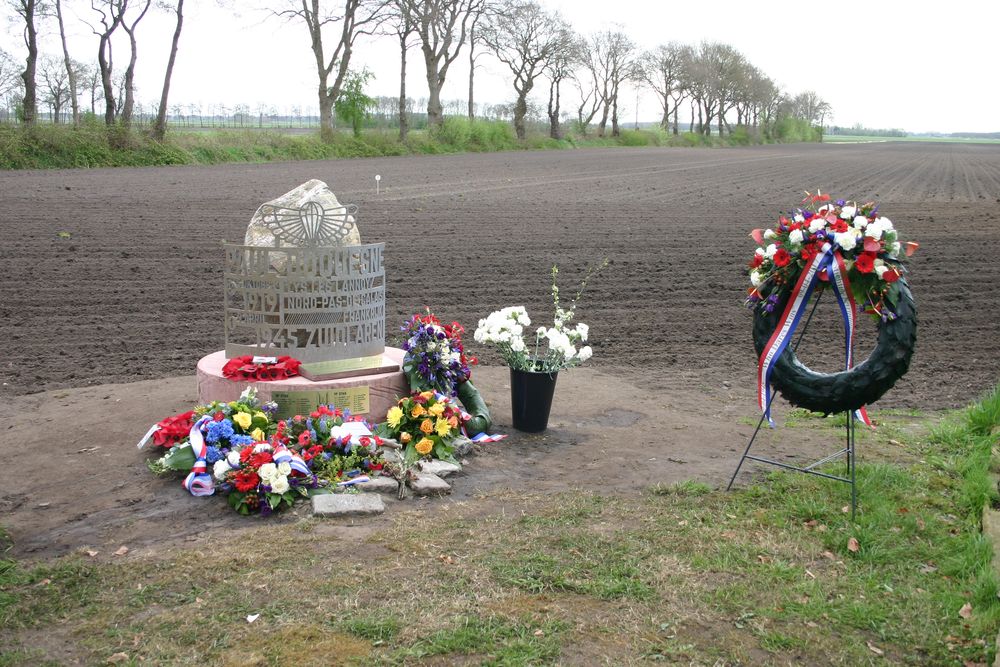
column 890, row 276
column 781, row 257
column 865, row 262
column 246, row 480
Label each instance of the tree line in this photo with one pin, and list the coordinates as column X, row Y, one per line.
column 716, row 84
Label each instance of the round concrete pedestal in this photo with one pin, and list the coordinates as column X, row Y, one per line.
column 384, row 389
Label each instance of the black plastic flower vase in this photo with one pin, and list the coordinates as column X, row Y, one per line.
column 531, row 399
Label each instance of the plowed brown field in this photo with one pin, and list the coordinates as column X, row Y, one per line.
column 135, row 293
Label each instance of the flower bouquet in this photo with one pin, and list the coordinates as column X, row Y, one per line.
column 425, row 424
column 533, row 368
column 335, row 445
column 231, row 440
column 435, row 360
column 866, row 241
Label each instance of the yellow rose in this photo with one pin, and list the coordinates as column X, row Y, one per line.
column 405, row 438
column 243, row 420
column 442, row 427
column 427, row 426
column 427, row 395
column 257, row 435
column 417, row 411
column 437, row 409
column 394, row 416
column 424, row 447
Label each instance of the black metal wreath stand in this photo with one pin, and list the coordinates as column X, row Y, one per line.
column 848, row 450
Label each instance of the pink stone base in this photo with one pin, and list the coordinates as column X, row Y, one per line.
column 384, row 389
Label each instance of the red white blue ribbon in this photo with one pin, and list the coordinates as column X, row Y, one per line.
column 282, row 454
column 831, row 261
column 198, row 481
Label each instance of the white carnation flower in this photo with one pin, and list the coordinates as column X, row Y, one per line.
column 846, row 240
column 817, row 224
column 874, row 231
column 755, row 278
column 220, row 469
column 517, row 345
column 848, row 212
column 771, row 249
column 234, row 458
column 759, row 251
column 279, row 484
column 798, row 218
column 582, row 330
column 585, row 353
column 885, row 223
column 860, row 222
column 262, row 447
column 268, row 471
column 795, row 237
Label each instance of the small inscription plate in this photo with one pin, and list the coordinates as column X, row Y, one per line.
column 291, row 403
column 324, row 304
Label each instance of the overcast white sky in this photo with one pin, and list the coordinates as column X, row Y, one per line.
column 879, row 63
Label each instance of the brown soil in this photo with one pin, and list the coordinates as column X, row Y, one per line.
column 135, row 294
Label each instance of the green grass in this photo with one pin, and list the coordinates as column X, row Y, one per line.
column 772, row 573
column 95, row 145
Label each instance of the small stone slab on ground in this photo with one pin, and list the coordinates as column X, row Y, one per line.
column 428, row 484
column 440, row 468
column 347, row 504
column 379, row 485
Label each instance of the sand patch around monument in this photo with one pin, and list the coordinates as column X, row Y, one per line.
column 80, row 483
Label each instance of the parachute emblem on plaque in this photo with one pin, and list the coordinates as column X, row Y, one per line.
column 310, row 225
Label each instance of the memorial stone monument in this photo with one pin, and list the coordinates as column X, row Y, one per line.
column 302, row 284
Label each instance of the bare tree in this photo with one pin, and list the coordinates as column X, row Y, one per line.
column 588, row 86
column 110, row 16
column 9, row 74
column 560, row 67
column 353, row 18
column 129, row 28
column 160, row 125
column 68, row 63
column 611, row 62
column 402, row 27
column 56, row 85
column 29, row 11
column 663, row 69
column 442, row 26
column 713, row 72
column 810, row 107
column 524, row 38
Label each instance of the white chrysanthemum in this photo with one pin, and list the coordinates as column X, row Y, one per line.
column 517, row 345
column 268, row 471
column 585, row 353
column 795, row 237
column 279, row 484
column 221, row 468
column 755, row 278
column 848, row 212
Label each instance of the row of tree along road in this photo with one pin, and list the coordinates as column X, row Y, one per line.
column 713, row 83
